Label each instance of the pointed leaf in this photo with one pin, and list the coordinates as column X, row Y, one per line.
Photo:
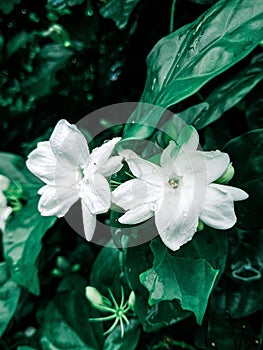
column 188, row 280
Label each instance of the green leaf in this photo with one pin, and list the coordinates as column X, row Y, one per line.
column 13, row 166
column 52, row 58
column 241, row 292
column 107, row 271
column 229, row 93
column 57, row 334
column 246, row 154
column 18, row 41
column 119, row 11
column 7, row 6
column 169, row 279
column 182, row 62
column 24, row 347
column 24, row 232
column 114, row 341
column 75, row 310
column 22, row 244
column 137, row 260
column 254, row 115
column 9, row 296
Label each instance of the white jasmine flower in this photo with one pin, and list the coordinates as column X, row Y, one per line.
column 71, row 173
column 5, row 211
column 179, row 192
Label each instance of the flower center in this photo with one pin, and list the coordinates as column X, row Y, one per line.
column 173, row 183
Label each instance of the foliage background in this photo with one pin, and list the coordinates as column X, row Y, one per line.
column 64, row 59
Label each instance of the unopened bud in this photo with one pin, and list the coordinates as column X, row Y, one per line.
column 96, row 298
column 227, row 176
column 131, row 301
column 200, row 226
column 62, row 263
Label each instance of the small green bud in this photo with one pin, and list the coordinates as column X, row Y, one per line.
column 75, row 268
column 200, row 226
column 97, row 299
column 131, row 301
column 57, row 272
column 227, row 176
column 62, row 263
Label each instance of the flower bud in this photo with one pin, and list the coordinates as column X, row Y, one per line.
column 131, row 301
column 227, row 176
column 200, row 226
column 96, row 298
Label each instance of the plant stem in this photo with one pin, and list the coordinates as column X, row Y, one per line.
column 171, row 29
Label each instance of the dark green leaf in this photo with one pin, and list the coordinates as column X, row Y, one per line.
column 24, row 347
column 114, row 341
column 13, row 166
column 246, row 154
column 137, row 260
column 228, row 94
column 52, row 58
column 182, row 62
column 242, row 293
column 22, row 244
column 23, row 234
column 58, row 335
column 107, row 271
column 224, row 333
column 119, row 11
column 7, row 6
column 9, row 295
column 17, row 42
column 254, row 114
column 75, row 310
column 167, row 280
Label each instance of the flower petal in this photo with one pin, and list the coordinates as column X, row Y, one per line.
column 147, row 171
column 55, row 201
column 133, row 193
column 42, row 162
column 137, row 214
column 216, row 164
column 96, row 194
column 69, row 145
column 177, row 216
column 169, row 155
column 4, row 183
column 4, row 214
column 218, row 209
column 112, row 166
column 89, row 221
column 100, row 155
column 236, row 193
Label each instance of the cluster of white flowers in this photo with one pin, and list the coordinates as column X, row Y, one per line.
column 5, row 210
column 180, row 192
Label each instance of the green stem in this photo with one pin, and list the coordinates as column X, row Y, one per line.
column 171, row 29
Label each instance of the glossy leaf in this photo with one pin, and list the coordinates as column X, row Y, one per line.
column 137, row 260
column 119, row 11
column 246, row 154
column 229, row 93
column 182, row 62
column 9, row 296
column 24, row 232
column 22, row 244
column 114, row 341
column 254, row 115
column 58, row 335
column 166, row 280
column 75, row 310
